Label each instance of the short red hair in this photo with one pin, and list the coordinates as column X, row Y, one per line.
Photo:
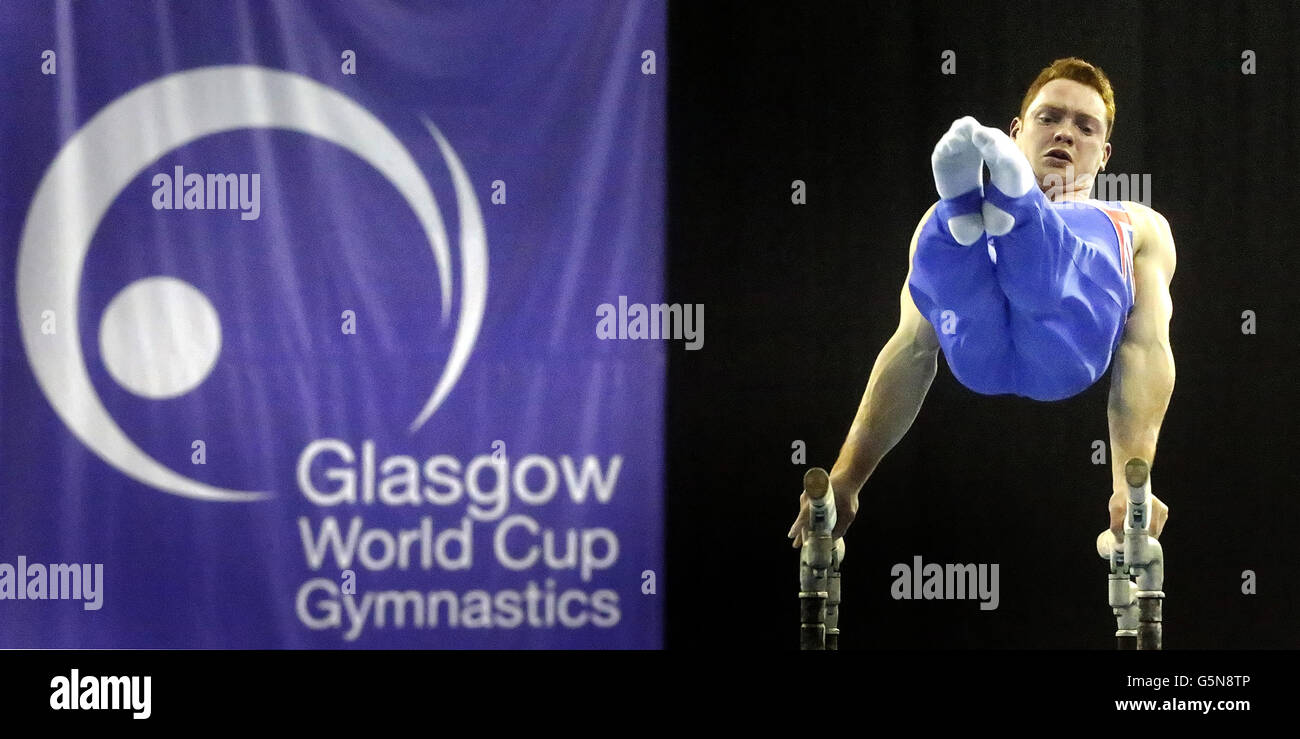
column 1074, row 68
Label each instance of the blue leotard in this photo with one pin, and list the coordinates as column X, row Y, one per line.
column 1036, row 312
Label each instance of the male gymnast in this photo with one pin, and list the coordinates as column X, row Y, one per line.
column 1029, row 287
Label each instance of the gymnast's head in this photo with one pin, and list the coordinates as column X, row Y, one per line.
column 1065, row 124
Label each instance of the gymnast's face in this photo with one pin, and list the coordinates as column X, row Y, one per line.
column 1063, row 135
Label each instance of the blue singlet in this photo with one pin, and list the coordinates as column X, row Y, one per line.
column 1036, row 312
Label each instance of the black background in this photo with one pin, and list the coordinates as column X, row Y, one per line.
column 799, row 299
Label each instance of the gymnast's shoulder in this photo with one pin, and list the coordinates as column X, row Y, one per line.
column 1151, row 231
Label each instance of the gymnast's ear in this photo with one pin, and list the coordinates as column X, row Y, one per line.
column 1015, row 128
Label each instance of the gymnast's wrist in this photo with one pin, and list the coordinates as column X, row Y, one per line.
column 845, row 484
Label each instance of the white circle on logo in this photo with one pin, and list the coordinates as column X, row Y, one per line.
column 159, row 337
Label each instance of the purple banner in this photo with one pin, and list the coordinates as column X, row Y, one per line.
column 300, row 332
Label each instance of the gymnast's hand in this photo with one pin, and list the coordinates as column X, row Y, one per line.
column 1119, row 506
column 846, row 509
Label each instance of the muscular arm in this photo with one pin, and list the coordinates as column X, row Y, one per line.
column 899, row 381
column 1142, row 380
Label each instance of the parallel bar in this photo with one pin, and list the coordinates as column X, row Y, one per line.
column 819, row 596
column 1137, row 576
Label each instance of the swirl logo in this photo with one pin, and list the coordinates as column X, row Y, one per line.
column 114, row 147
